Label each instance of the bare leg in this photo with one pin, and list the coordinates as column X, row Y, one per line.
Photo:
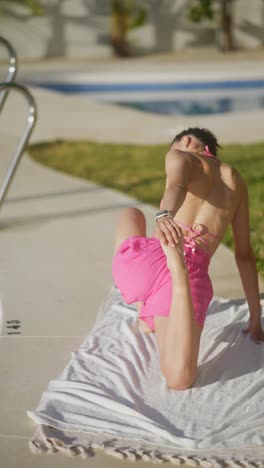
column 179, row 346
column 131, row 222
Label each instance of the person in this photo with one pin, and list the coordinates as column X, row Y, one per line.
column 167, row 274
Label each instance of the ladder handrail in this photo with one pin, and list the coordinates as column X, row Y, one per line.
column 12, row 69
column 31, row 121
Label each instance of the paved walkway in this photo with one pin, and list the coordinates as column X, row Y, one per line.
column 56, row 248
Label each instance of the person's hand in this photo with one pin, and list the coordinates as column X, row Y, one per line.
column 171, row 239
column 167, row 231
column 255, row 330
column 175, row 256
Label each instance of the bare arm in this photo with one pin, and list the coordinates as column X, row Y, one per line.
column 178, row 175
column 177, row 180
column 244, row 255
column 177, row 172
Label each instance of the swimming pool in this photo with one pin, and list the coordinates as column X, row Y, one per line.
column 202, row 105
column 169, row 97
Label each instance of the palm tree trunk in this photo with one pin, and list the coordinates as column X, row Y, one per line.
column 226, row 21
column 120, row 17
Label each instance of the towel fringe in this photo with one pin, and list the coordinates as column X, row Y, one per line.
column 132, row 455
column 36, row 447
column 145, row 455
column 52, row 445
column 51, row 450
column 174, row 459
column 97, row 445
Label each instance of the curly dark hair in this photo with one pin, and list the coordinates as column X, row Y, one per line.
column 202, row 134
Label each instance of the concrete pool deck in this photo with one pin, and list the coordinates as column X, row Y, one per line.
column 56, row 248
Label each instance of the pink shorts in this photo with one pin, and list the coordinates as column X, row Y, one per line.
column 140, row 272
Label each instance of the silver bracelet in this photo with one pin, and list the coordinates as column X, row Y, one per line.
column 163, row 213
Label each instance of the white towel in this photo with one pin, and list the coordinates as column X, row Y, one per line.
column 113, row 396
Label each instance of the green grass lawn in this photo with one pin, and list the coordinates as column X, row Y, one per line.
column 138, row 170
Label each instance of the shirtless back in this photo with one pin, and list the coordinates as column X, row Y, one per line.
column 200, row 191
column 212, row 198
column 206, row 191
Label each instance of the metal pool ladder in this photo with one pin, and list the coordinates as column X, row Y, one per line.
column 5, row 87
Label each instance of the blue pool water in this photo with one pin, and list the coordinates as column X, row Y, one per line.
column 198, row 106
column 172, row 98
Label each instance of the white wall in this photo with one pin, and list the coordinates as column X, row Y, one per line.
column 81, row 28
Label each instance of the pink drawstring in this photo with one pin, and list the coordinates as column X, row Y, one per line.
column 207, row 152
column 189, row 239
